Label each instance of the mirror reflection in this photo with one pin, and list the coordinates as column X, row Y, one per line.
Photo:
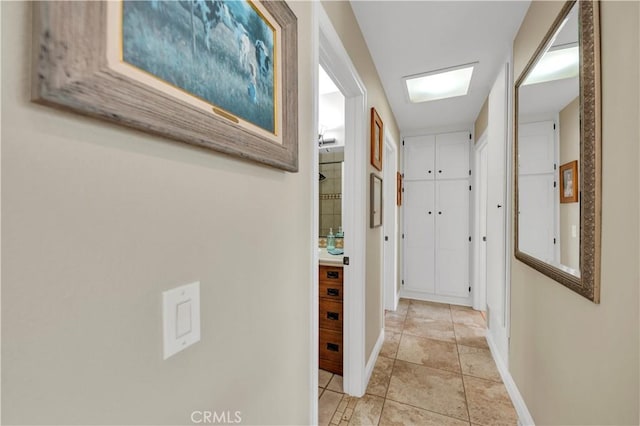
column 549, row 150
column 331, row 183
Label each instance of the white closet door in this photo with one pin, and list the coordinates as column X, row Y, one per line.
column 537, row 210
column 537, row 194
column 452, row 238
column 452, row 155
column 419, row 157
column 536, row 148
column 419, row 253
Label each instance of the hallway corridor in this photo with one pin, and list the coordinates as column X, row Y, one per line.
column 435, row 368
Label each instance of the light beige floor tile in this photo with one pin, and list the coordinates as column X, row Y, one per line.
column 489, row 402
column 428, row 388
column 429, row 352
column 461, row 308
column 478, row 362
column 471, row 335
column 320, row 391
column 393, row 321
column 397, row 414
column 429, row 310
column 403, row 306
column 367, row 410
column 439, row 330
column 323, row 378
column 468, row 317
column 327, row 406
column 336, row 384
column 390, row 346
column 380, row 377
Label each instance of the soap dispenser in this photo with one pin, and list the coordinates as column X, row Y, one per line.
column 340, row 233
column 331, row 240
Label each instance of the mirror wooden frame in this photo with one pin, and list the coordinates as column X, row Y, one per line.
column 588, row 284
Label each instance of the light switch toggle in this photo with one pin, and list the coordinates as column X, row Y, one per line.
column 181, row 318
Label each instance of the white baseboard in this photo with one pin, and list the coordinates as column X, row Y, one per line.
column 524, row 417
column 371, row 363
column 417, row 295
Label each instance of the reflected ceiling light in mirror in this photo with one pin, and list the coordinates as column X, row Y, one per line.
column 441, row 84
column 557, row 64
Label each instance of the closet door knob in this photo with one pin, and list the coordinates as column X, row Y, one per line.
column 429, row 212
column 429, row 171
column 439, row 171
column 439, row 212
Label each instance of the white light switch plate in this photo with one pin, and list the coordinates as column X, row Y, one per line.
column 180, row 318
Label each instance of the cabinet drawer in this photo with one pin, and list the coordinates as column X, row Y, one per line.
column 329, row 365
column 331, row 290
column 330, row 345
column 331, row 314
column 331, row 274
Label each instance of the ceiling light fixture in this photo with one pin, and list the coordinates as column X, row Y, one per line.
column 440, row 84
column 556, row 64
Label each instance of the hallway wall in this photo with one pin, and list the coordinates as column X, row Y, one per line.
column 347, row 27
column 573, row 361
column 98, row 220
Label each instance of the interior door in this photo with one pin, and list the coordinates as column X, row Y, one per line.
column 452, row 238
column 536, row 182
column 419, row 254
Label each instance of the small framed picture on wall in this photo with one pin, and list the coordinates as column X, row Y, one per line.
column 376, row 139
column 569, row 182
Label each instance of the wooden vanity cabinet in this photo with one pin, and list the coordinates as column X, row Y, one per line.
column 331, row 315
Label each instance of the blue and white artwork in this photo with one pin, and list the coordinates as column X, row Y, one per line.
column 219, row 51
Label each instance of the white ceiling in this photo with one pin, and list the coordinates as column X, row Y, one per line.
column 413, row 37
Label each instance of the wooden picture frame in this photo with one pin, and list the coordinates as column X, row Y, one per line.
column 375, row 215
column 399, row 189
column 569, row 182
column 83, row 62
column 377, row 133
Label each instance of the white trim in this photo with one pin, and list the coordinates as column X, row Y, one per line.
column 524, row 416
column 428, row 297
column 374, row 355
column 315, row 190
column 390, row 220
column 478, row 286
column 337, row 63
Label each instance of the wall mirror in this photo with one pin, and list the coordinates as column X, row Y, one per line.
column 331, row 182
column 557, row 147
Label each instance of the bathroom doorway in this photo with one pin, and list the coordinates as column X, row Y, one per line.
column 335, row 61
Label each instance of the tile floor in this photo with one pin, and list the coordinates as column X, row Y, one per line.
column 435, row 368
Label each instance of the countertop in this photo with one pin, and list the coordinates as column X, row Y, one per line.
column 330, row 259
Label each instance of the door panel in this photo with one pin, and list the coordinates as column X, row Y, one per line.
column 452, row 155
column 536, row 226
column 536, row 148
column 418, row 240
column 452, row 238
column 419, row 157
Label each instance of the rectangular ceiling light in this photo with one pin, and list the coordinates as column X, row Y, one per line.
column 441, row 84
column 556, row 64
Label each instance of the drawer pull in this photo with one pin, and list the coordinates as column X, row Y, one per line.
column 333, row 292
column 333, row 316
column 334, row 275
column 333, row 347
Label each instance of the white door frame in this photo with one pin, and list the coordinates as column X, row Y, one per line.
column 390, row 224
column 329, row 52
column 479, row 175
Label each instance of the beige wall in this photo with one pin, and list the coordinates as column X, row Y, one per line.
column 573, row 361
column 98, row 220
column 482, row 121
column 570, row 212
column 346, row 26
